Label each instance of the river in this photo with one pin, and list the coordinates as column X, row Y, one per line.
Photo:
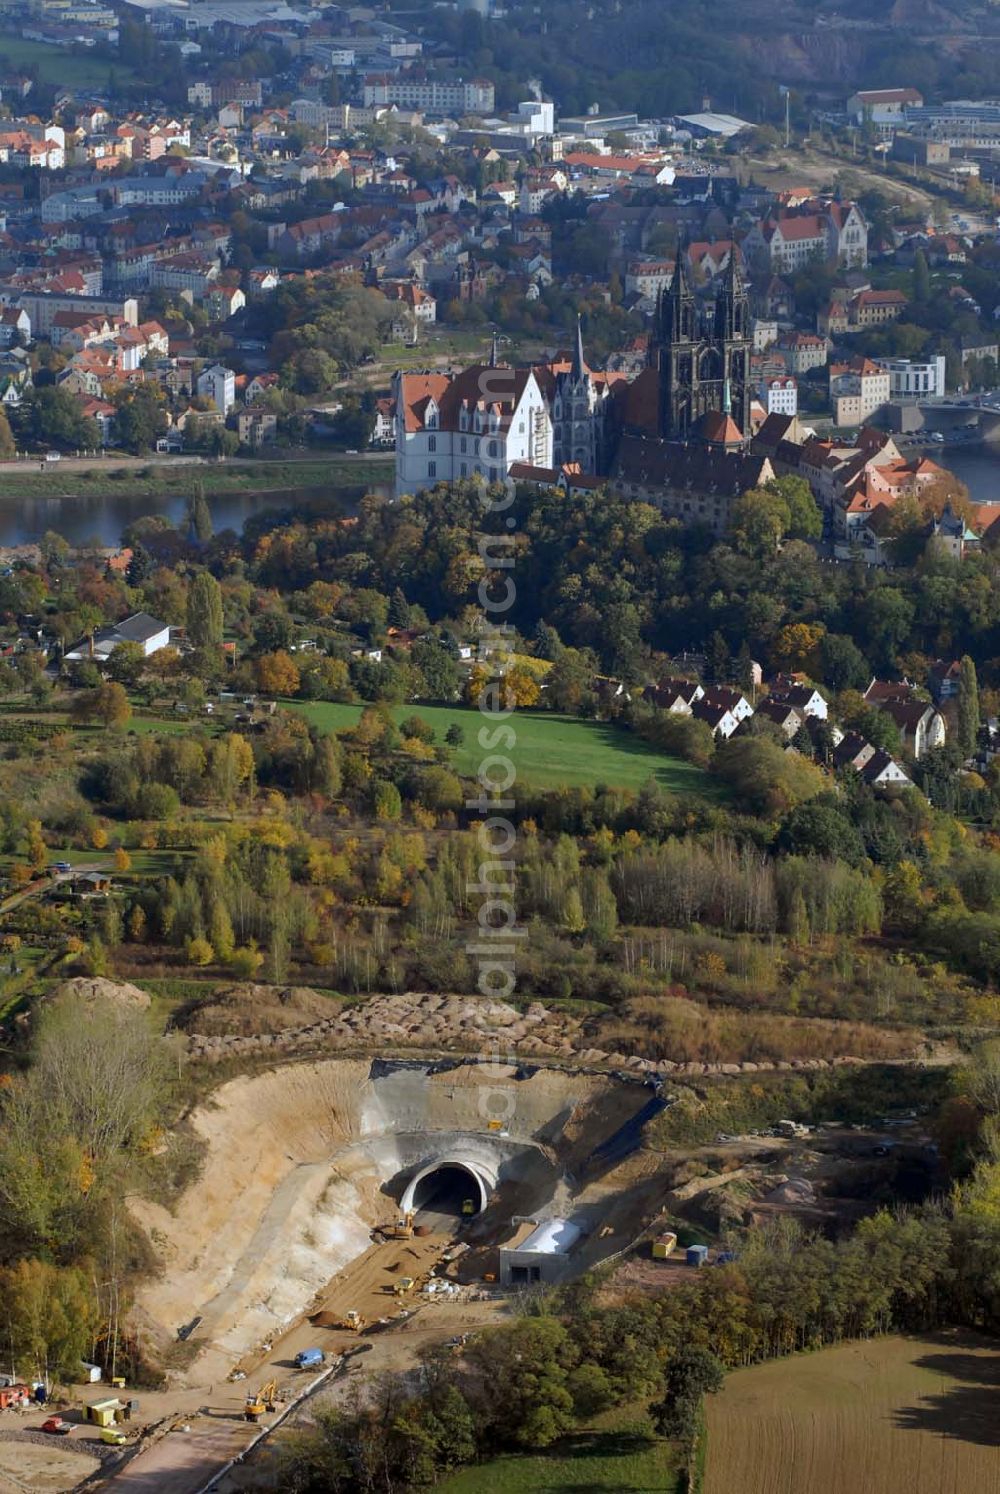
column 102, row 518
column 87, row 517
column 977, row 465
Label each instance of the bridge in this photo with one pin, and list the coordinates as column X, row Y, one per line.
column 952, row 416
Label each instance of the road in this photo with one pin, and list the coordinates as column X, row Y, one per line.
column 209, row 1416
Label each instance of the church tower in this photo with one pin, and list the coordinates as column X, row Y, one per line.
column 578, row 413
column 701, row 370
column 731, row 329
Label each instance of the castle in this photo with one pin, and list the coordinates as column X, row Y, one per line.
column 677, row 435
column 483, row 420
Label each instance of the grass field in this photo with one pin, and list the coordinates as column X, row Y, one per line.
column 59, row 65
column 892, row 1416
column 551, row 751
column 623, row 1457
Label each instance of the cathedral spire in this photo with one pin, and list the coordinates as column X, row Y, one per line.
column 732, row 315
column 579, row 369
column 494, row 350
column 677, row 308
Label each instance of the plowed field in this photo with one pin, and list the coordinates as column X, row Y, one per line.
column 891, row 1416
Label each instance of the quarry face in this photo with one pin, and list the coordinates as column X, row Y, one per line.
column 302, row 1161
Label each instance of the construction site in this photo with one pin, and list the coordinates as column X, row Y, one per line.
column 348, row 1212
column 325, row 1184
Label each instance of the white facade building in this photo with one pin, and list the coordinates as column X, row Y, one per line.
column 781, row 395
column 535, row 117
column 909, row 379
column 431, row 95
column 219, row 385
column 477, row 423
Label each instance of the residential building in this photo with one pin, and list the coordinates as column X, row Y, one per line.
column 15, row 327
column 140, row 628
column 223, row 301
column 806, row 699
column 648, row 278
column 787, row 718
column 257, row 426
column 219, row 385
column 780, row 395
column 677, row 696
column 722, row 710
column 820, row 230
column 943, row 679
column 431, row 95
column 882, row 771
column 858, row 390
column 910, row 379
column 872, row 308
column 802, row 351
column 921, row 727
column 43, row 306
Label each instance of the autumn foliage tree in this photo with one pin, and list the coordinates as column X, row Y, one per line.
column 277, row 673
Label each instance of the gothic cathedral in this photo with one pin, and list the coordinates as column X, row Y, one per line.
column 702, row 369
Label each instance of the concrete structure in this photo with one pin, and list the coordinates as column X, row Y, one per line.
column 909, row 379
column 538, row 1252
column 709, row 125
column 480, row 1171
column 596, row 126
column 534, row 117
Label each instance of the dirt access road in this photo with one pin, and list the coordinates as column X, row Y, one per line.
column 211, row 1429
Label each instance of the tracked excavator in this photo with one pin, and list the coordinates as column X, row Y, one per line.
column 261, row 1401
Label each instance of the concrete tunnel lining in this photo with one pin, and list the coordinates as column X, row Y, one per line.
column 483, row 1181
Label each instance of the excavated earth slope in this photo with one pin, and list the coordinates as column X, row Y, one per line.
column 302, row 1160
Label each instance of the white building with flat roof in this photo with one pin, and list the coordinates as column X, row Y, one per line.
column 911, row 379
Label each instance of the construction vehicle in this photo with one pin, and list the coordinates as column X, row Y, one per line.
column 401, row 1230
column 263, row 1401
column 403, row 1285
column 468, row 1207
column 351, row 1322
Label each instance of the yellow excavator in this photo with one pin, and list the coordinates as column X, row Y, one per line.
column 260, row 1402
column 351, row 1322
column 401, row 1230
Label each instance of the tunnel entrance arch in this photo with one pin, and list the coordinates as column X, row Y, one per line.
column 444, row 1184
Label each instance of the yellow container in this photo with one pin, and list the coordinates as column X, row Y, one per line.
column 664, row 1245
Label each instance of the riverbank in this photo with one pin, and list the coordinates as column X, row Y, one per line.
column 85, row 500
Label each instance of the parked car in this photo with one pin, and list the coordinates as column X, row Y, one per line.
column 56, row 1426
